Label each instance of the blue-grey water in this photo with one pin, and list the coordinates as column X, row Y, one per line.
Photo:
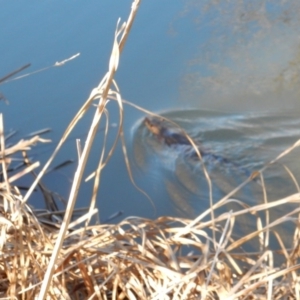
column 227, row 72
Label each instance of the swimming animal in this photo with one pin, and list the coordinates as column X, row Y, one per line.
column 161, row 129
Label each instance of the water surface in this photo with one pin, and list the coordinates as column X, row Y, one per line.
column 244, row 143
column 225, row 71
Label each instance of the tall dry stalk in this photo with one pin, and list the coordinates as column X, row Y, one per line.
column 101, row 93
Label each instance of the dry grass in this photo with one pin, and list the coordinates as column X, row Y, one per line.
column 167, row 258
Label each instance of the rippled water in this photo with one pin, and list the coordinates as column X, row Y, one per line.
column 228, row 55
column 249, row 141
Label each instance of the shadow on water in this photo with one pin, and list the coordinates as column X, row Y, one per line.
column 243, row 142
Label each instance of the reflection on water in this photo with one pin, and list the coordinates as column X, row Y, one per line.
column 245, row 48
column 252, row 51
column 249, row 141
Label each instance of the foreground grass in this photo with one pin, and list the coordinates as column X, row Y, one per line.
column 166, row 258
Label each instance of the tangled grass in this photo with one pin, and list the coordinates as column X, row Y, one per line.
column 166, row 258
column 43, row 257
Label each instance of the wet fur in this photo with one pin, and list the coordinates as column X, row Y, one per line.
column 158, row 127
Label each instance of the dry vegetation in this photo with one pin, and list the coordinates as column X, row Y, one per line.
column 167, row 258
